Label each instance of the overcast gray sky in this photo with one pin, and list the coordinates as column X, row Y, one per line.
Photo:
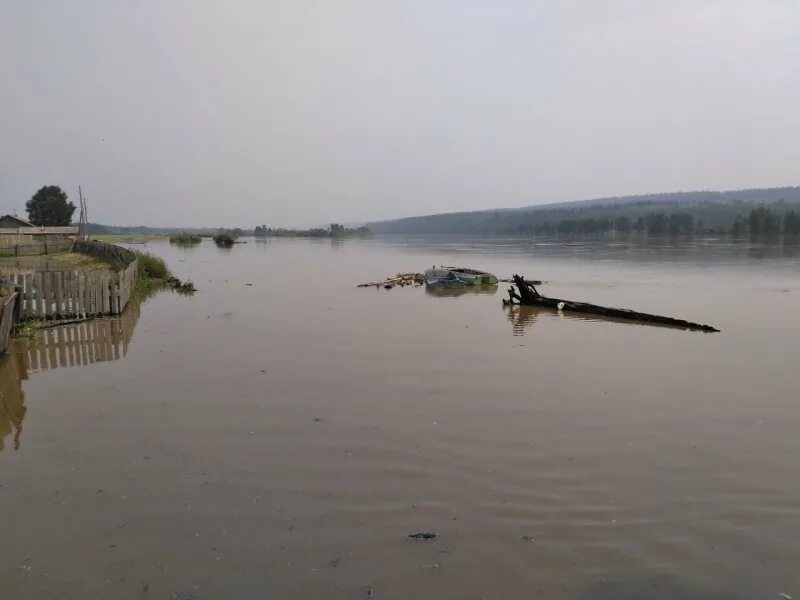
column 296, row 112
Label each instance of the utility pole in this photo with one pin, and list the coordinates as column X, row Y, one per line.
column 83, row 232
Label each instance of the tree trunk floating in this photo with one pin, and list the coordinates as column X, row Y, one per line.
column 526, row 294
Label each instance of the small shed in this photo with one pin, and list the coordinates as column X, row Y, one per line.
column 14, row 222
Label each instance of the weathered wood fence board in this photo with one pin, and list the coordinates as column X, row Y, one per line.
column 74, row 294
column 27, row 245
column 7, row 304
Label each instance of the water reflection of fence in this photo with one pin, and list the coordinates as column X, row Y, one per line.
column 76, row 345
column 12, row 399
column 74, row 293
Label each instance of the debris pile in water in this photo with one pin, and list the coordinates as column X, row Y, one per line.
column 423, row 536
column 401, row 279
column 182, row 287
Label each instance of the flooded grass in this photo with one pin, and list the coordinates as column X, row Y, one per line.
column 152, row 267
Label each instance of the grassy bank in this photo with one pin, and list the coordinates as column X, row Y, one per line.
column 71, row 260
column 152, row 267
column 153, row 273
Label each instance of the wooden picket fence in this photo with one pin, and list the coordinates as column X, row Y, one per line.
column 7, row 318
column 32, row 246
column 74, row 293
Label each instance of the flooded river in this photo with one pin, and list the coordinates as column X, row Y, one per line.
column 281, row 433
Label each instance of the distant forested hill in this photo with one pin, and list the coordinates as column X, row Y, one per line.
column 682, row 212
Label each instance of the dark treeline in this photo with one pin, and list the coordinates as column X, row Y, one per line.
column 656, row 223
column 334, row 231
column 759, row 221
column 691, row 212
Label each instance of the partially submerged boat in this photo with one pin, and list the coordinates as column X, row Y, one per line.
column 458, row 276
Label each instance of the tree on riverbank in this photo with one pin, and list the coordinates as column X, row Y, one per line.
column 49, row 207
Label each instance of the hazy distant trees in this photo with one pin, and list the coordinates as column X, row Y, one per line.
column 791, row 223
column 710, row 213
column 739, row 225
column 49, row 207
column 335, row 230
column 759, row 221
column 662, row 223
column 764, row 221
column 767, row 221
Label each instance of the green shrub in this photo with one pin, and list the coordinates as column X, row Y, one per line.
column 224, row 239
column 152, row 267
column 185, row 238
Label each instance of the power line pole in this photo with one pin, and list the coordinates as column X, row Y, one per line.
column 84, row 218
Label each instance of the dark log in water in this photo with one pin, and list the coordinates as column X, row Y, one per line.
column 526, row 294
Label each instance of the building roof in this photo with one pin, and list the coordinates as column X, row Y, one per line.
column 20, row 222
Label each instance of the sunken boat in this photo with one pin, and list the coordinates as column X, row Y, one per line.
column 458, row 276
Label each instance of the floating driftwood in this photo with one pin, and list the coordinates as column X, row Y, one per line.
column 415, row 279
column 529, row 281
column 526, row 294
column 401, row 279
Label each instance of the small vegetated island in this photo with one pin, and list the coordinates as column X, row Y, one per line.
column 334, row 231
column 224, row 239
column 185, row 239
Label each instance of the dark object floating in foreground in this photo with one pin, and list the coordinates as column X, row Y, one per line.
column 526, row 294
column 422, row 536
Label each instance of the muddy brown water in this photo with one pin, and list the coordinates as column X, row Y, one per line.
column 282, row 439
